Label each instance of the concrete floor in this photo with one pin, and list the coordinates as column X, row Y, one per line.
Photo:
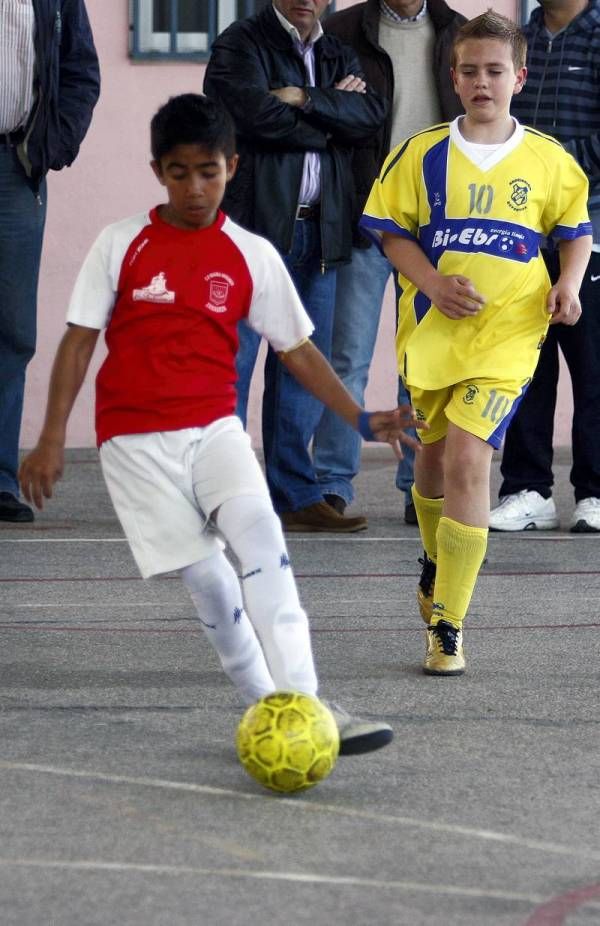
column 122, row 801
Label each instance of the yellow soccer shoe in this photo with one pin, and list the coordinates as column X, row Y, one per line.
column 445, row 654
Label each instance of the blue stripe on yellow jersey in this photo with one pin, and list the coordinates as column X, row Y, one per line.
column 485, row 222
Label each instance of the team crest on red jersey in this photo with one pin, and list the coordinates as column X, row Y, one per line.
column 218, row 291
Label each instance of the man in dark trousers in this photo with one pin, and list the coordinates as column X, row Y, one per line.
column 561, row 99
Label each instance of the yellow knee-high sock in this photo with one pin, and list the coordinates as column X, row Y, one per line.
column 429, row 512
column 460, row 551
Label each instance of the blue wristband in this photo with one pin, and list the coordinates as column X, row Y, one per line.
column 364, row 427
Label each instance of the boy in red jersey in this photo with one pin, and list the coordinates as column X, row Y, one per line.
column 170, row 288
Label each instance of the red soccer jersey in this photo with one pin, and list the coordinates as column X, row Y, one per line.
column 171, row 300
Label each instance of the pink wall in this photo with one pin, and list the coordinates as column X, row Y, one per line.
column 112, row 179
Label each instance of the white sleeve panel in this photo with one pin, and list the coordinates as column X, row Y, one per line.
column 276, row 311
column 95, row 289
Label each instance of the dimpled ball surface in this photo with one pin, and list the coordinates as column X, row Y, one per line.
column 288, row 741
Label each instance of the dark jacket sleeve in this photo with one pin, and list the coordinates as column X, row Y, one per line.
column 78, row 79
column 348, row 116
column 586, row 152
column 236, row 77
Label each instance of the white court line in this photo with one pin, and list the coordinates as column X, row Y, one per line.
column 429, row 825
column 538, row 537
column 293, row 876
column 63, row 540
column 110, row 606
column 535, row 536
column 100, row 605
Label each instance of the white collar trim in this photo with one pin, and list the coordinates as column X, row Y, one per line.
column 495, row 156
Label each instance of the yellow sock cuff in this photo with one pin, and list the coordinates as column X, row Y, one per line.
column 460, row 536
column 461, row 550
column 429, row 511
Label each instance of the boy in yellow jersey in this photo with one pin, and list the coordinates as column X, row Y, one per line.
column 460, row 210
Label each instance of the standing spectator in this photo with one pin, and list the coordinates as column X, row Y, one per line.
column 49, row 84
column 561, row 98
column 402, row 45
column 300, row 104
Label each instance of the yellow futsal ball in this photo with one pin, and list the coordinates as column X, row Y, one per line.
column 288, row 741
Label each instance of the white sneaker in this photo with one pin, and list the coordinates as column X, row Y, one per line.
column 358, row 735
column 526, row 511
column 586, row 517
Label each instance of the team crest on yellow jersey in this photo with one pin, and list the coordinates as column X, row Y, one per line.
column 520, row 190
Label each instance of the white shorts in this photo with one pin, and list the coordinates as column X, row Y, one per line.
column 166, row 485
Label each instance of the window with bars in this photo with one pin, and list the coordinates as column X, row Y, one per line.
column 183, row 28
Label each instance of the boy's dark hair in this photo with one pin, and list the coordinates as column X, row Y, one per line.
column 492, row 25
column 192, row 119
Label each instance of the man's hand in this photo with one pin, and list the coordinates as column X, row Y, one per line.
column 351, row 83
column 293, row 96
column 455, row 296
column 563, row 303
column 389, row 428
column 296, row 96
column 39, row 470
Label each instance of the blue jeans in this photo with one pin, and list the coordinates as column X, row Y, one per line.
column 22, row 219
column 290, row 413
column 405, row 475
column 245, row 361
column 359, row 294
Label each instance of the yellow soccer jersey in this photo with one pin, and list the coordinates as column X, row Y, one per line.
column 486, row 223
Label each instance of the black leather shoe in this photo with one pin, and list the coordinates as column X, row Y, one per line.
column 11, row 509
column 410, row 515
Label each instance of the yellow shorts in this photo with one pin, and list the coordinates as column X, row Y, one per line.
column 483, row 407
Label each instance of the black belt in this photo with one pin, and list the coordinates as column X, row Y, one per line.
column 308, row 212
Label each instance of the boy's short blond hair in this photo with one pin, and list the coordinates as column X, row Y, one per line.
column 492, row 25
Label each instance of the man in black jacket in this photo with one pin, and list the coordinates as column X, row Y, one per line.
column 404, row 50
column 49, row 84
column 300, row 104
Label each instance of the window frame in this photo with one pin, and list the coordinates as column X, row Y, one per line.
column 220, row 14
column 526, row 8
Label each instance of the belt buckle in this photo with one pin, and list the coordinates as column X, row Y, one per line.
column 305, row 211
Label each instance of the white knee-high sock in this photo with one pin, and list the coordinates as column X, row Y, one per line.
column 254, row 533
column 215, row 591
